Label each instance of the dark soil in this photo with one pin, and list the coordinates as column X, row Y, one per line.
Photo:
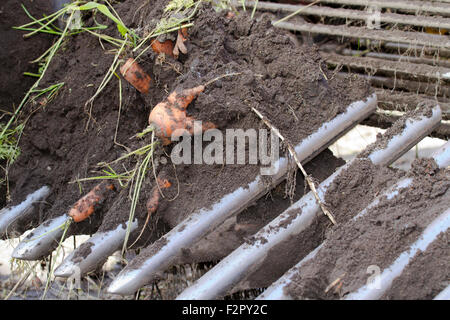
column 16, row 52
column 83, row 251
column 62, row 142
column 356, row 186
column 426, row 275
column 377, row 238
column 272, row 81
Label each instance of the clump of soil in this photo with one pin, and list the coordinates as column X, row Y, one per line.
column 66, row 139
column 356, row 186
column 377, row 238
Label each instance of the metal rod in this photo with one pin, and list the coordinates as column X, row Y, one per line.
column 405, row 101
column 395, row 57
column 444, row 294
column 415, row 6
column 188, row 232
column 101, row 245
column 366, row 292
column 277, row 290
column 433, row 89
column 413, row 38
column 417, row 49
column 42, row 240
column 9, row 215
column 236, row 266
column 421, row 21
column 395, row 68
column 385, row 119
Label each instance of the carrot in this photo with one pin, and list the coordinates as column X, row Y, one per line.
column 84, row 207
column 165, row 47
column 136, row 76
column 184, row 33
column 179, row 44
column 153, row 202
column 170, row 115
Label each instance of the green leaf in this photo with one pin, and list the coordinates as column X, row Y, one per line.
column 122, row 29
column 104, row 9
column 88, row 6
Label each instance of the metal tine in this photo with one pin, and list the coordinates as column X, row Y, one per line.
column 200, row 223
column 377, row 35
column 9, row 215
column 101, row 245
column 422, row 21
column 442, row 159
column 442, row 156
column 42, row 240
column 444, row 294
column 440, row 224
column 405, row 47
column 237, row 265
column 276, row 290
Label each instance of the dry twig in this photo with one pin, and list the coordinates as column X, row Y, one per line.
column 335, row 282
column 297, row 161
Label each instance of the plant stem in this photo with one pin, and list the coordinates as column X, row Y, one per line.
column 297, row 161
column 296, row 12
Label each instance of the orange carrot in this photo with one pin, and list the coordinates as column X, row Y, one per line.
column 170, row 115
column 153, row 201
column 135, row 75
column 184, row 33
column 165, row 47
column 179, row 44
column 84, row 207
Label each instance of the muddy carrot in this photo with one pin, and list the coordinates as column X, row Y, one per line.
column 184, row 33
column 170, row 115
column 179, row 44
column 84, row 207
column 136, row 76
column 165, row 47
column 153, row 201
